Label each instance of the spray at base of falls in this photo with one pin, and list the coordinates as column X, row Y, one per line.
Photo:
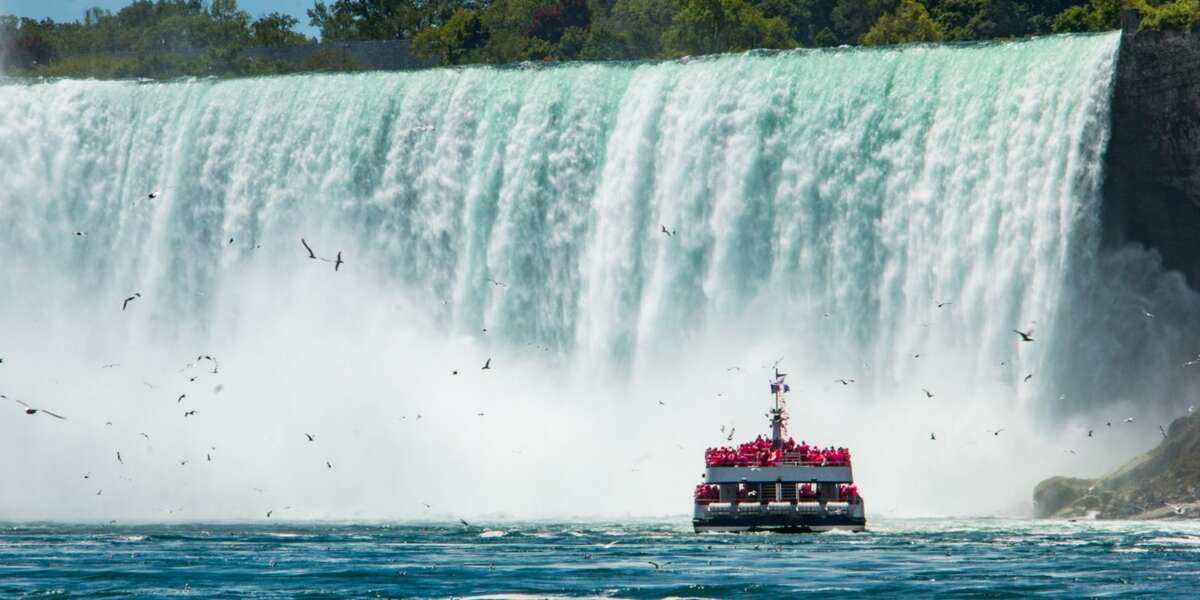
column 822, row 202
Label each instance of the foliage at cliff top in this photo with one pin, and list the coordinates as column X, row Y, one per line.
column 166, row 38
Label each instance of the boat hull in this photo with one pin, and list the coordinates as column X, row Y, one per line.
column 779, row 523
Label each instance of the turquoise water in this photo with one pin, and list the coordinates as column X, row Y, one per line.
column 960, row 558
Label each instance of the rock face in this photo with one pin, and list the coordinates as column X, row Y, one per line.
column 1152, row 181
column 1154, row 485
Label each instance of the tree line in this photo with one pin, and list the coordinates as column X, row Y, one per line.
column 163, row 38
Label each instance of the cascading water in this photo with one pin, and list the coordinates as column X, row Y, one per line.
column 819, row 206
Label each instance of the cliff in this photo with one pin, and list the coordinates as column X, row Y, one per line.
column 1152, row 171
column 1141, row 489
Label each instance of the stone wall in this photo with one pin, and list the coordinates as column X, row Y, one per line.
column 1152, row 183
column 386, row 55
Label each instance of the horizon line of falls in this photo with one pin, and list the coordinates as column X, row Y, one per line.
column 820, row 206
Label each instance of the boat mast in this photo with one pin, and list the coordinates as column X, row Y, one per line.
column 779, row 413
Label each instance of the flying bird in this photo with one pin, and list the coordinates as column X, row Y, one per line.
column 153, row 195
column 487, row 365
column 327, row 465
column 1028, row 377
column 1090, row 432
column 1179, row 510
column 189, row 413
column 844, row 381
column 269, row 513
column 144, row 435
column 119, row 457
column 337, row 265
column 1162, row 431
column 928, row 394
column 665, row 231
column 1147, row 314
column 996, row 432
column 29, row 410
column 496, row 283
column 932, row 437
column 464, row 523
column 180, row 398
column 1128, row 419
column 125, row 304
column 941, row 304
column 310, row 437
column 730, row 436
column 1025, row 337
column 311, row 254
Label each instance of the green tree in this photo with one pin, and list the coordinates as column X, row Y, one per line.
column 276, row 29
column 456, row 41
column 709, row 26
column 850, row 19
column 909, row 23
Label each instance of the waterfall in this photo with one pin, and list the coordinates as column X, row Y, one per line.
column 819, row 206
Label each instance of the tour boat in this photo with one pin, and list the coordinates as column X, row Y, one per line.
column 778, row 485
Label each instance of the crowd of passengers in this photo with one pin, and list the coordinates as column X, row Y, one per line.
column 710, row 492
column 759, row 453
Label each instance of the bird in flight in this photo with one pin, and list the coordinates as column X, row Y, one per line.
column 666, row 231
column 1090, row 432
column 1162, row 431
column 928, row 394
column 844, row 381
column 327, row 465
column 310, row 437
column 29, row 410
column 996, row 432
column 337, row 265
column 144, row 435
column 1028, row 377
column 1179, row 510
column 729, row 438
column 269, row 513
column 932, row 437
column 180, row 398
column 941, row 304
column 1025, row 337
column 1147, row 314
column 189, row 413
column 497, row 283
column 125, row 304
column 119, row 457
column 464, row 523
column 1128, row 419
column 153, row 195
column 487, row 364
column 311, row 254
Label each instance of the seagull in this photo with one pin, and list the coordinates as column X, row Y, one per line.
column 1147, row 314
column 269, row 513
column 29, row 410
column 311, row 254
column 231, row 241
column 730, row 437
column 656, row 565
column 337, row 265
column 1128, row 419
column 1090, row 432
column 119, row 457
column 144, row 435
column 610, row 544
column 153, row 195
column 125, row 304
column 427, row 505
column 661, row 403
column 928, row 394
column 1162, row 431
column 844, row 381
column 1028, row 377
column 479, row 414
column 665, row 230
column 180, row 398
column 189, row 413
column 454, row 372
column 1194, row 361
column 496, row 283
column 1070, row 451
column 996, row 432
column 1179, row 510
column 80, row 234
column 941, row 304
column 465, row 523
column 208, row 457
column 487, row 365
column 932, row 437
column 310, row 437
column 327, row 465
column 1025, row 337
column 1108, row 423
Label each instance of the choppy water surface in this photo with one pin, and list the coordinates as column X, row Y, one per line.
column 945, row 558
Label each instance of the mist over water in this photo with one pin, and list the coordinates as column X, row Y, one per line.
column 822, row 204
